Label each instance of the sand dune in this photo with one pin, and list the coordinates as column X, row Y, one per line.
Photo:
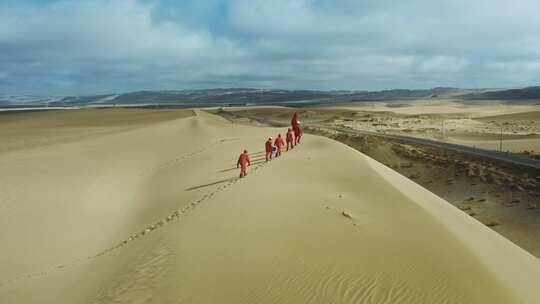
column 152, row 212
column 531, row 115
column 415, row 107
column 475, row 124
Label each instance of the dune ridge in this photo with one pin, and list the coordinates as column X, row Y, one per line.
column 321, row 224
column 490, row 248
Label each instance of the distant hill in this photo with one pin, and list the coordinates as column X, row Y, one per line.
column 210, row 97
column 224, row 97
column 221, row 96
column 513, row 94
column 400, row 94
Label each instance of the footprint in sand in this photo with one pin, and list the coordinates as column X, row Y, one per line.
column 183, row 157
column 347, row 214
column 175, row 215
column 350, row 216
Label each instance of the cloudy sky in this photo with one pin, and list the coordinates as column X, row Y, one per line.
column 100, row 46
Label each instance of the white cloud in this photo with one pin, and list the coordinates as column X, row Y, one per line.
column 104, row 45
column 108, row 30
column 443, row 64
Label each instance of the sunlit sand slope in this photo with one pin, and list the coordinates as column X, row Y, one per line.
column 155, row 214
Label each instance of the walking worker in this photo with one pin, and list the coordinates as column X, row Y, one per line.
column 279, row 145
column 294, row 120
column 290, row 139
column 297, row 134
column 243, row 162
column 268, row 148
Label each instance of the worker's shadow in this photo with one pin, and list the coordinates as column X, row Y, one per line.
column 253, row 155
column 212, row 184
column 260, row 161
column 258, row 158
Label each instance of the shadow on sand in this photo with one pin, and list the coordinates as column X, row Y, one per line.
column 211, row 184
column 254, row 155
column 260, row 161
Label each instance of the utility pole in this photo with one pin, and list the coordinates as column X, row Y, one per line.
column 442, row 129
column 500, row 139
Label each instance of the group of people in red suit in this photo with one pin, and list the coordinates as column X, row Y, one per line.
column 271, row 147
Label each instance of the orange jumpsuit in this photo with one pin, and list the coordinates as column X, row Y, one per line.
column 268, row 149
column 290, row 139
column 243, row 161
column 297, row 134
column 294, row 120
column 279, row 145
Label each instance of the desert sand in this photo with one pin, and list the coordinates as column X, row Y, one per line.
column 476, row 124
column 504, row 197
column 142, row 206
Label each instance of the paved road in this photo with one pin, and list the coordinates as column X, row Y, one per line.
column 501, row 156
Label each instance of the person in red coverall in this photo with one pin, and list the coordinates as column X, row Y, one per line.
column 243, row 162
column 268, row 149
column 290, row 138
column 294, row 120
column 279, row 145
column 297, row 134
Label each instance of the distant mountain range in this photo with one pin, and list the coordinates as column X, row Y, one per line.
column 248, row 96
column 513, row 94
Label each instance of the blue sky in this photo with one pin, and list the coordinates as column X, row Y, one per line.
column 91, row 47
